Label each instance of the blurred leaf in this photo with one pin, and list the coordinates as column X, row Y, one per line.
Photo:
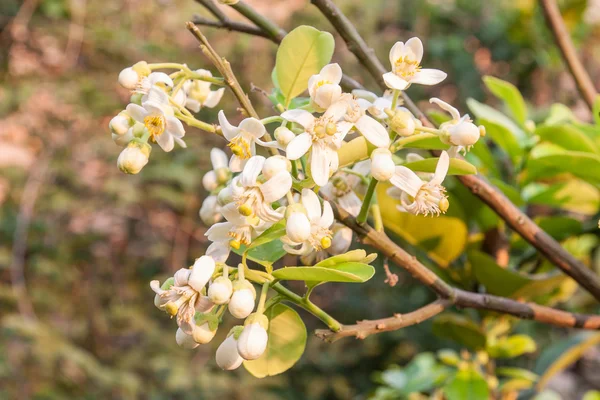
column 515, row 385
column 509, row 191
column 511, row 346
column 511, row 96
column 287, row 340
column 487, row 163
column 596, row 111
column 344, row 272
column 460, row 329
column 468, row 384
column 427, row 141
column 572, row 195
column 302, row 53
column 583, row 165
column 503, row 137
column 449, row 357
column 497, row 280
column 422, row 374
column 559, row 114
column 518, row 373
column 592, row 394
column 357, row 255
column 457, row 167
column 486, row 113
column 274, row 232
column 548, row 395
column 567, row 137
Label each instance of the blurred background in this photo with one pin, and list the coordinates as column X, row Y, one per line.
column 80, row 241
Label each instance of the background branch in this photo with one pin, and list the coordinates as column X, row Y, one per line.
column 489, row 194
column 557, row 26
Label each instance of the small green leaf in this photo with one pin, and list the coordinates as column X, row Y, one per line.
column 487, row 113
column 457, row 167
column 468, row 384
column 427, row 141
column 519, row 373
column 351, row 272
column 302, row 53
column 358, row 255
column 274, row 232
column 287, row 340
column 460, row 329
column 511, row 96
column 497, row 280
column 504, row 138
column 511, row 347
column 567, row 137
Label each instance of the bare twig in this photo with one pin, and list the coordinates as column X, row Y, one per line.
column 230, row 26
column 565, row 44
column 489, row 194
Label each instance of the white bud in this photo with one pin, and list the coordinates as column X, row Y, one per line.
column 219, row 292
column 241, row 303
column 464, row 134
column 225, row 196
column 401, row 121
column 209, row 181
column 275, row 164
column 227, row 356
column 202, row 333
column 297, row 227
column 284, row 136
column 182, row 276
column 341, row 241
column 382, row 164
column 202, row 271
column 120, row 124
column 134, row 157
column 252, row 342
column 123, row 140
column 210, row 211
column 128, row 78
column 184, row 340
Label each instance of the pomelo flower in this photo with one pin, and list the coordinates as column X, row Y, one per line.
column 199, row 94
column 324, row 88
column 367, row 126
column 242, row 139
column 342, row 187
column 220, row 174
column 460, row 132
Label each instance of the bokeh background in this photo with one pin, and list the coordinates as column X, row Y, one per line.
column 79, row 240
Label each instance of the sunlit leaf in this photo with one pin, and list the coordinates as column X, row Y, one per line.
column 457, row 166
column 572, row 195
column 511, row 96
column 567, row 136
column 468, row 384
column 344, row 272
column 511, row 346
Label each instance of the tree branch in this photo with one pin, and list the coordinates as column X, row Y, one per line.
column 230, row 26
column 365, row 328
column 489, row 194
column 563, row 40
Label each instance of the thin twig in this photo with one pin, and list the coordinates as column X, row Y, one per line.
column 230, row 26
column 563, row 40
column 478, row 185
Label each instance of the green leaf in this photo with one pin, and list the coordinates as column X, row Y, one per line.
column 511, row 96
column 519, row 373
column 448, row 356
column 351, row 272
column 572, row 195
column 559, row 114
column 591, row 395
column 423, row 373
column 509, row 191
column 302, row 53
column 287, row 340
column 483, row 159
column 487, row 113
column 497, row 280
column 427, row 141
column 504, row 138
column 358, row 255
column 547, row 161
column 511, row 347
column 460, row 329
column 567, row 137
column 457, row 167
column 274, row 232
column 468, row 384
column 596, row 110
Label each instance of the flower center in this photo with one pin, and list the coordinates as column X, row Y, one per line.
column 155, row 124
column 324, row 127
column 321, row 239
column 405, row 67
column 323, row 82
column 240, row 147
column 431, row 199
column 341, row 187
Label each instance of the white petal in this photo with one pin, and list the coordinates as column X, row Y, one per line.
column 414, row 46
column 334, row 160
column 136, row 112
column 298, row 146
column 251, row 171
column 327, row 217
column 446, row 107
column 218, row 158
column 175, row 127
column 406, row 180
column 276, row 187
column 336, row 111
column 165, row 141
column 160, row 77
column 310, row 201
column 319, row 164
column 236, row 164
column 373, row 131
column 219, row 232
column 218, row 251
column 429, row 77
column 213, row 98
column 192, row 105
column 231, row 214
column 393, row 81
column 201, row 272
column 327, row 95
column 365, row 94
column 396, row 52
column 343, row 129
column 301, row 117
column 158, row 98
column 332, row 73
column 253, row 126
column 229, row 131
column 351, row 203
column 441, row 169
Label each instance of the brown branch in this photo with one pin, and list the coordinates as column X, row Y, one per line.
column 458, row 297
column 230, row 26
column 362, row 329
column 563, row 40
column 489, row 194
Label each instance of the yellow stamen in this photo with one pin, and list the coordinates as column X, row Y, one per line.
column 331, row 128
column 155, row 124
column 245, row 210
column 171, row 308
column 240, row 147
column 237, row 150
column 444, row 204
column 235, row 244
column 320, row 131
column 326, row 242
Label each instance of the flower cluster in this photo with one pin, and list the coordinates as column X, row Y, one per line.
column 250, row 193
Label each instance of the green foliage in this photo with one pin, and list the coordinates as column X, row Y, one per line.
column 468, row 384
column 511, row 96
column 342, row 272
column 457, row 167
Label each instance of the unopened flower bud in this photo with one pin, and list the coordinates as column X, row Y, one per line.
column 284, row 136
column 184, row 340
column 201, row 273
column 203, row 304
column 203, row 334
column 464, row 134
column 382, row 164
column 120, row 124
column 142, row 68
column 123, row 140
column 241, row 303
column 275, row 164
column 128, row 78
column 298, row 227
column 181, row 276
column 225, row 196
column 210, row 211
column 209, row 181
column 227, row 356
column 219, row 292
column 401, row 122
column 134, row 157
column 223, row 175
column 252, row 342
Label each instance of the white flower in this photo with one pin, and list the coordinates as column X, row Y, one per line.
column 158, row 79
column 342, row 187
column 201, row 273
column 210, row 212
column 241, row 303
column 128, row 78
column 134, row 157
column 374, row 104
column 406, row 69
column 227, row 356
column 275, row 164
column 220, row 173
column 202, row 333
column 157, row 116
column 199, row 94
column 340, row 243
column 418, row 196
column 120, row 124
column 324, row 87
column 220, row 290
column 242, row 139
column 184, row 340
column 382, row 164
column 252, row 343
column 254, row 198
column 402, row 121
column 460, row 132
column 367, row 126
column 298, row 227
column 323, row 136
column 320, row 235
column 283, row 136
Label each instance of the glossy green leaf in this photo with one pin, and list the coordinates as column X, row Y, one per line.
column 580, row 164
column 511, row 346
column 357, row 255
column 486, row 113
column 460, row 329
column 287, row 340
column 457, row 166
column 427, row 141
column 573, row 195
column 566, row 136
column 511, row 96
column 302, row 53
column 274, row 232
column 468, row 384
column 497, row 280
column 344, row 272
column 504, row 138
